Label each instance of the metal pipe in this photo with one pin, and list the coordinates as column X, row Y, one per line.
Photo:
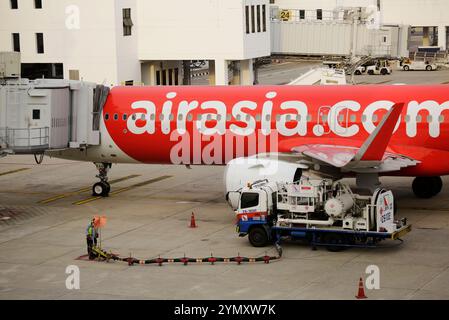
column 308, row 222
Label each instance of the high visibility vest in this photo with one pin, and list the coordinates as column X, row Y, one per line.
column 90, row 231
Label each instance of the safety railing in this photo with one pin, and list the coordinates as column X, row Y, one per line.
column 25, row 140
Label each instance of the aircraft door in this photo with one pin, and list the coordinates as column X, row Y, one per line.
column 332, row 120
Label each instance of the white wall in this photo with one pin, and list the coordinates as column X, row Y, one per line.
column 323, row 4
column 163, row 30
column 91, row 49
column 205, row 29
column 127, row 48
column 416, row 12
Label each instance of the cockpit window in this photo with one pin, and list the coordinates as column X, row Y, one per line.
column 249, row 200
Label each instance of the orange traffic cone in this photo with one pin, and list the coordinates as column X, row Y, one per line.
column 361, row 293
column 192, row 221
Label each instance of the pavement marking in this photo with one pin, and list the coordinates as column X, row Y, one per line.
column 87, row 189
column 142, row 184
column 13, row 171
column 445, row 82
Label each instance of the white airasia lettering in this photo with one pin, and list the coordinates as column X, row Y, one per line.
column 300, row 117
column 433, row 111
column 336, row 112
column 219, row 117
column 294, row 123
column 149, row 116
column 244, row 117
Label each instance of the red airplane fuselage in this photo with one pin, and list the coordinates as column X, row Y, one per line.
column 213, row 125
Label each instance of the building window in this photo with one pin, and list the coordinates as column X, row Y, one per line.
column 271, row 1
column 247, row 18
column 264, row 18
column 36, row 114
column 176, row 76
column 164, row 77
column 127, row 22
column 302, row 14
column 319, row 14
column 258, row 19
column 16, row 42
column 253, row 20
column 14, row 4
column 38, row 4
column 40, row 42
column 170, row 77
column 158, row 77
column 34, row 71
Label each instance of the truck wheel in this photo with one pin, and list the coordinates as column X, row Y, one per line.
column 357, row 73
column 384, row 72
column 258, row 237
column 371, row 72
column 334, row 240
column 429, row 68
column 406, row 68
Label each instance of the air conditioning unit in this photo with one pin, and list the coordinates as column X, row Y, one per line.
column 9, row 65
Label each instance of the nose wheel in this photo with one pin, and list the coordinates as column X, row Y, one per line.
column 102, row 188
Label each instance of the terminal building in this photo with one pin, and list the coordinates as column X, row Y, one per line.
column 136, row 42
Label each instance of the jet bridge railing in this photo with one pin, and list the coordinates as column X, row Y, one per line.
column 31, row 140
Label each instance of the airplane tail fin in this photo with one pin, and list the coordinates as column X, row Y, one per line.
column 375, row 146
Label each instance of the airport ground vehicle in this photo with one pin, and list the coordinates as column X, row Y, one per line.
column 360, row 70
column 381, row 67
column 418, row 65
column 322, row 211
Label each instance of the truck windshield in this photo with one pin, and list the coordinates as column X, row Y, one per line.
column 249, row 200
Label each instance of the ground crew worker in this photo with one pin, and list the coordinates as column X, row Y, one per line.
column 91, row 237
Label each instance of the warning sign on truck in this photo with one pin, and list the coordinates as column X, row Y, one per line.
column 385, row 209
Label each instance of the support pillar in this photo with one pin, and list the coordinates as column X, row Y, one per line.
column 426, row 37
column 221, row 73
column 187, row 79
column 247, row 72
column 212, row 72
column 442, row 39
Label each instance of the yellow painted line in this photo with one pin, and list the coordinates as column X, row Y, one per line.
column 87, row 189
column 13, row 171
column 79, row 203
column 141, row 184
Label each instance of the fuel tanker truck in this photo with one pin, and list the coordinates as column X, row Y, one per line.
column 321, row 211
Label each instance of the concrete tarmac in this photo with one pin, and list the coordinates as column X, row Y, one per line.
column 45, row 209
column 44, row 214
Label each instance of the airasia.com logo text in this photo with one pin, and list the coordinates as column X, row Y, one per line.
column 296, row 115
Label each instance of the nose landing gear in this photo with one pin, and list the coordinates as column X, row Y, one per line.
column 102, row 188
column 427, row 187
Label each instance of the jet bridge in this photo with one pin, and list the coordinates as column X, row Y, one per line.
column 43, row 115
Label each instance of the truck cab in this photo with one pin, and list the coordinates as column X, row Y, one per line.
column 255, row 212
column 321, row 211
